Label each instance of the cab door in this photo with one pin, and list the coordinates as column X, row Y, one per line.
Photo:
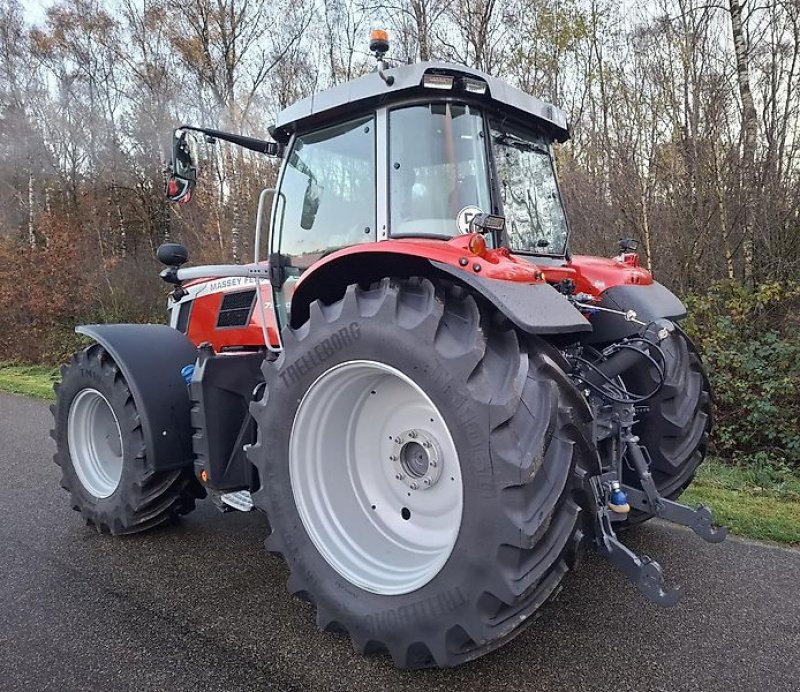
column 326, row 201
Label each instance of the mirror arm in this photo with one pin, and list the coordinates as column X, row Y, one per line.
column 252, row 143
column 170, row 275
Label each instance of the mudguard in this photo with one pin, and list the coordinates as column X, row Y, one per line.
column 150, row 357
column 515, row 287
column 650, row 302
column 534, row 308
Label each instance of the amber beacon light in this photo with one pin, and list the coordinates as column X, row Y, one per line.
column 379, row 41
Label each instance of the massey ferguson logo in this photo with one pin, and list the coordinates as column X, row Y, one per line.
column 232, row 282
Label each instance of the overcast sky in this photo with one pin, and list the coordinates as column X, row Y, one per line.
column 35, row 9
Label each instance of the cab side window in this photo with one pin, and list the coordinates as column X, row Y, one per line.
column 328, row 192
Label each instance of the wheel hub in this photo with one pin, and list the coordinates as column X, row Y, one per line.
column 356, row 480
column 417, row 459
column 95, row 442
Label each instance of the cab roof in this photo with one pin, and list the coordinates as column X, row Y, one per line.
column 371, row 91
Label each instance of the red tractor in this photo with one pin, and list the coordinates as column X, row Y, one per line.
column 435, row 403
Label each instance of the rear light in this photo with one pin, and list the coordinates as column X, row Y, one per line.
column 477, row 244
column 629, row 258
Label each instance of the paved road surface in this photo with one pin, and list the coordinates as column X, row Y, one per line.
column 201, row 606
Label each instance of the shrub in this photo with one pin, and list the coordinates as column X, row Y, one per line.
column 44, row 290
column 47, row 290
column 748, row 338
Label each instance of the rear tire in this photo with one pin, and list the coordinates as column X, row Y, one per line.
column 675, row 430
column 503, row 401
column 100, row 449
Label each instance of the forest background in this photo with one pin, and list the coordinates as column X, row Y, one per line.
column 685, row 120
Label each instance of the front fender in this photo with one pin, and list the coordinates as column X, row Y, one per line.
column 150, row 357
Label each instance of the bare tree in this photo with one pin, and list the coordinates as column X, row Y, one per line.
column 230, row 47
column 749, row 130
column 478, row 35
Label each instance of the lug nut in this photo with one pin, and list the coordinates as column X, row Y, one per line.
column 399, row 476
column 397, row 440
column 412, row 434
column 432, row 463
column 392, row 458
column 426, row 444
column 426, row 481
column 413, row 486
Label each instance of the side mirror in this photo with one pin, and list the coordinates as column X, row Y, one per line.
column 311, row 200
column 184, row 167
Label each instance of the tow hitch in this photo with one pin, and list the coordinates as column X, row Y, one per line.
column 650, row 501
column 644, row 572
column 614, row 411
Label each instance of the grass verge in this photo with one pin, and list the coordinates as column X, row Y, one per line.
column 31, row 380
column 756, row 502
column 760, row 503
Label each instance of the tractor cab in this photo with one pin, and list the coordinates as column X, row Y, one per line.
column 417, row 151
column 429, row 152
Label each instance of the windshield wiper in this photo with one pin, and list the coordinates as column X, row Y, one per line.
column 507, row 139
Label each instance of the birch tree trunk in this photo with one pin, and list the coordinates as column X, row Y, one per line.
column 719, row 192
column 230, row 175
column 648, row 246
column 749, row 134
column 121, row 233
column 31, row 227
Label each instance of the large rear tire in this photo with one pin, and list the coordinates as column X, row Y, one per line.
column 100, row 449
column 676, row 427
column 416, row 462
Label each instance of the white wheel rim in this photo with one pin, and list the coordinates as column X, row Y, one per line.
column 95, row 442
column 376, row 477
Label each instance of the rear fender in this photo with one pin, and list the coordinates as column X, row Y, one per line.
column 532, row 305
column 534, row 308
column 649, row 302
column 151, row 357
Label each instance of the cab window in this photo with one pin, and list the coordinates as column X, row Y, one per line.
column 328, row 192
column 438, row 175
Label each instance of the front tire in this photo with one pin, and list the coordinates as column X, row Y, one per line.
column 368, row 393
column 100, row 449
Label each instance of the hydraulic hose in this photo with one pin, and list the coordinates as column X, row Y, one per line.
column 624, row 355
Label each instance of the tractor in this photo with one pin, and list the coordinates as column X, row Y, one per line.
column 439, row 408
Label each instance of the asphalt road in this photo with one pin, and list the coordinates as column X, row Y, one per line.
column 201, row 606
